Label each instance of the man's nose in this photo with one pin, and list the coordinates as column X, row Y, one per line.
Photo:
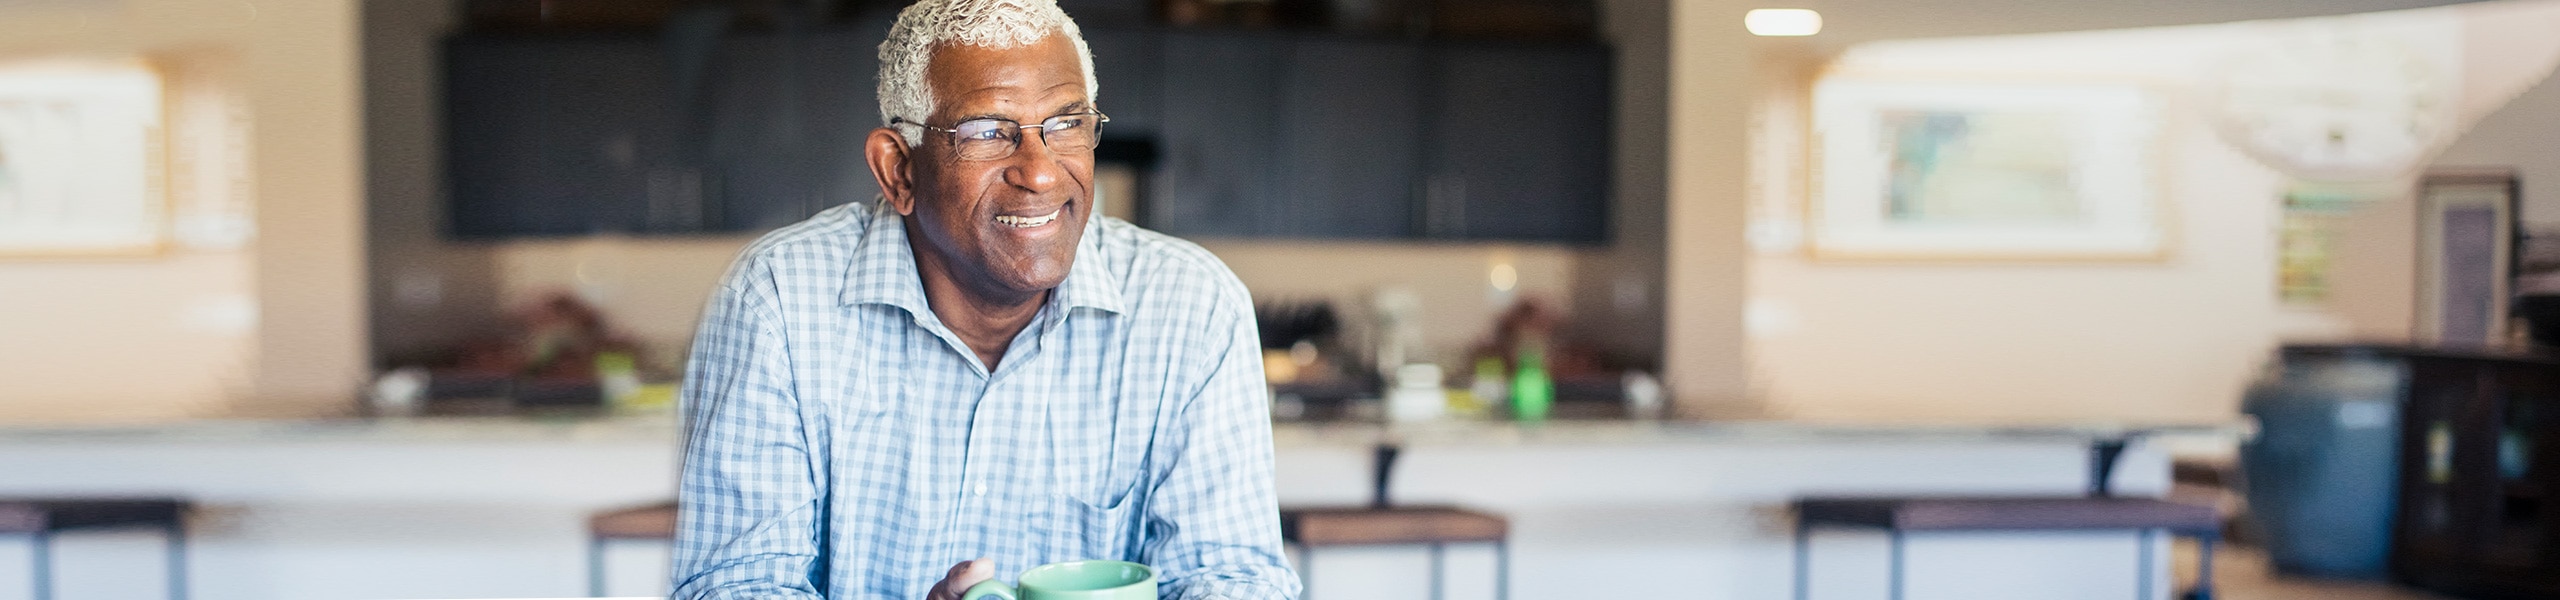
column 1034, row 167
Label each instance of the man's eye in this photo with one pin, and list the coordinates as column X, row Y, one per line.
column 1057, row 123
column 972, row 132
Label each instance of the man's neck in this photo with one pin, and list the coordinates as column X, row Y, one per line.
column 983, row 317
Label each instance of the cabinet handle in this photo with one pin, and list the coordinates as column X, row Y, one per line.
column 1444, row 206
column 675, row 200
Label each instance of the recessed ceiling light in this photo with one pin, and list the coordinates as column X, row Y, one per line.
column 1782, row 22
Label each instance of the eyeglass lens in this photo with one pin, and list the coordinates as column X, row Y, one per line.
column 991, row 139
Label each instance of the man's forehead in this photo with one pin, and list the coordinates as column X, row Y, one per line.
column 1039, row 76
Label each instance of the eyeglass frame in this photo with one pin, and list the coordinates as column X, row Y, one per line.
column 1016, row 137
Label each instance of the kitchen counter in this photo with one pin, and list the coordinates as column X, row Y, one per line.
column 452, row 507
column 647, row 428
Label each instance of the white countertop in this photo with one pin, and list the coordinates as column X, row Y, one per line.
column 648, row 428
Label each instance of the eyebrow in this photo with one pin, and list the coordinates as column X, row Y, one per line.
column 1069, row 108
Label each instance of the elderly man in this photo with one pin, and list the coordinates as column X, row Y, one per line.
column 976, row 374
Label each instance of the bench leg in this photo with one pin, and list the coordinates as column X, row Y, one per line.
column 41, row 547
column 1502, row 570
column 1439, row 561
column 2204, row 568
column 1897, row 578
column 1306, row 575
column 177, row 561
column 595, row 567
column 1804, row 560
column 2142, row 565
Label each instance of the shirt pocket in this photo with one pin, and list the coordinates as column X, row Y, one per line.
column 1093, row 479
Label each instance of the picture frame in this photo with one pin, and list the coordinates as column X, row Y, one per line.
column 83, row 162
column 1976, row 169
column 2467, row 238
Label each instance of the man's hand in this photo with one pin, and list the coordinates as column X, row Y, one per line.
column 967, row 573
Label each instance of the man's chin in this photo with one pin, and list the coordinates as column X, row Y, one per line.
column 1045, row 275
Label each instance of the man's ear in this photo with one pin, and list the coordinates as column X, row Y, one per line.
column 888, row 154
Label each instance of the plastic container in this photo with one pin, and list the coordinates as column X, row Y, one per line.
column 2321, row 475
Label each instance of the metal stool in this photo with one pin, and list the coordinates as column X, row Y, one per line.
column 41, row 518
column 655, row 522
column 1898, row 516
column 2100, row 509
column 1381, row 523
column 1433, row 526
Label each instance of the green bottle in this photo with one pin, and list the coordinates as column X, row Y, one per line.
column 1532, row 391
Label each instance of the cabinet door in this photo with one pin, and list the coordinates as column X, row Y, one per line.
column 1128, row 63
column 1221, row 115
column 1350, row 150
column 755, row 147
column 553, row 136
column 844, row 106
column 787, row 121
column 1519, row 143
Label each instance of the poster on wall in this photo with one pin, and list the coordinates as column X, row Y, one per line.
column 1944, row 169
column 80, row 159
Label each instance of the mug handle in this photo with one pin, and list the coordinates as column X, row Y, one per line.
column 989, row 589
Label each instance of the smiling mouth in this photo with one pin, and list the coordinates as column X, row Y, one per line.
column 1031, row 221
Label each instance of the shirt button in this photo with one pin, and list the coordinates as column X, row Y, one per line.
column 980, row 490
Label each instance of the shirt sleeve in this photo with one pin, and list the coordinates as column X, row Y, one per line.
column 1213, row 521
column 749, row 498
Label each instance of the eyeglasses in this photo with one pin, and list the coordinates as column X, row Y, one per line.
column 994, row 139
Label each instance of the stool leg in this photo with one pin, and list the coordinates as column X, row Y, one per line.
column 1502, row 570
column 42, row 549
column 1804, row 560
column 1306, row 575
column 1439, row 561
column 2204, row 568
column 595, row 567
column 1896, row 580
column 177, row 561
column 2142, row 565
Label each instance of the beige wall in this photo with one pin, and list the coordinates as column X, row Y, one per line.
column 2143, row 341
column 654, row 288
column 2169, row 340
column 2523, row 134
column 1710, row 72
column 266, row 324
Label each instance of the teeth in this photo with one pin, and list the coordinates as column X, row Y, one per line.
column 1027, row 221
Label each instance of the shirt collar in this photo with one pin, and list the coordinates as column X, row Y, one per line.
column 884, row 270
column 884, row 267
column 1090, row 283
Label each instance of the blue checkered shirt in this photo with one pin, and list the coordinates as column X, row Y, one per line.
column 842, row 443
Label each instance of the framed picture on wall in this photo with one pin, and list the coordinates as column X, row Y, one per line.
column 2466, row 255
column 1954, row 170
column 81, row 159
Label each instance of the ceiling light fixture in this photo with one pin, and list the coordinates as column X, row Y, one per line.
column 1782, row 22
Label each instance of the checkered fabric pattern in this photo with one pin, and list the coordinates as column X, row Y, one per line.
column 842, row 443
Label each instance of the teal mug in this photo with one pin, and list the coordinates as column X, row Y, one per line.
column 1075, row 580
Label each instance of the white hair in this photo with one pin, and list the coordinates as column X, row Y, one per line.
column 928, row 24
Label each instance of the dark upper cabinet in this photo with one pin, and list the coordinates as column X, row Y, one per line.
column 1347, row 138
column 844, row 106
column 555, row 136
column 1519, row 143
column 565, row 136
column 784, row 127
column 1348, row 153
column 755, row 141
column 1222, row 113
column 1244, row 134
column 1129, row 64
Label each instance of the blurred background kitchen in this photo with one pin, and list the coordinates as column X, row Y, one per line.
column 386, row 298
